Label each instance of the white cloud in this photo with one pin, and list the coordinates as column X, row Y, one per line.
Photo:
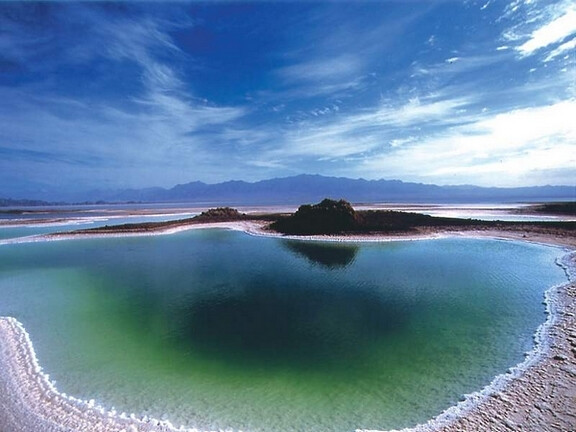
column 554, row 31
column 138, row 42
column 88, row 143
column 185, row 115
column 418, row 113
column 562, row 49
column 521, row 127
column 329, row 69
column 455, row 66
column 160, row 76
column 486, row 5
column 356, row 134
column 499, row 149
column 399, row 142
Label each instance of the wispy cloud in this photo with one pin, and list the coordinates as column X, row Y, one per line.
column 554, row 31
column 563, row 49
column 159, row 130
column 141, row 42
column 348, row 135
column 456, row 66
column 329, row 69
column 539, row 25
column 107, row 146
column 508, row 146
column 443, row 138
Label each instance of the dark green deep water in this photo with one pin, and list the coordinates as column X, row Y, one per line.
column 217, row 329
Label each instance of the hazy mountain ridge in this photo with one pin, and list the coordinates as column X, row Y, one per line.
column 312, row 188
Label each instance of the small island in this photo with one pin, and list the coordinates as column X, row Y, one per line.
column 338, row 218
column 330, row 218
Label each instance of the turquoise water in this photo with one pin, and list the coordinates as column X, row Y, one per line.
column 219, row 329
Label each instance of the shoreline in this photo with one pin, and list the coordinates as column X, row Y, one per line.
column 535, row 395
column 258, row 228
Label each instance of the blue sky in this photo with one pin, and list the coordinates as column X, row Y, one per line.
column 118, row 94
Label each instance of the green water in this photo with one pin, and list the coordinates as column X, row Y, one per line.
column 216, row 329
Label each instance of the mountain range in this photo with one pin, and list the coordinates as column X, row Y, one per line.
column 312, row 188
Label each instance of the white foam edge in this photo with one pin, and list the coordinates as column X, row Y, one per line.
column 70, row 404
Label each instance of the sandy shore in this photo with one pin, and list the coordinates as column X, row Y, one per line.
column 249, row 227
column 538, row 395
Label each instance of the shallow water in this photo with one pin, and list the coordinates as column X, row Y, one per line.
column 218, row 329
column 79, row 223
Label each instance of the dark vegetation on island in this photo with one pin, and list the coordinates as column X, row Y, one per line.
column 338, row 217
column 327, row 217
column 331, row 217
column 220, row 214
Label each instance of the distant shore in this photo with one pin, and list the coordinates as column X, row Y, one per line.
column 537, row 396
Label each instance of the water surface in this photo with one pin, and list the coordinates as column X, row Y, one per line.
column 218, row 329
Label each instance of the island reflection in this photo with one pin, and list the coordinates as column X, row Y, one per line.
column 331, row 256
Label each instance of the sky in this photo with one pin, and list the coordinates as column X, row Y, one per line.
column 113, row 95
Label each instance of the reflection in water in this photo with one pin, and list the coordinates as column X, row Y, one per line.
column 326, row 254
column 289, row 326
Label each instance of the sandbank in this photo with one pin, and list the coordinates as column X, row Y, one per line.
column 536, row 395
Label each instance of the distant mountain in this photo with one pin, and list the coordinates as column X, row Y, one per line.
column 308, row 189
column 312, row 188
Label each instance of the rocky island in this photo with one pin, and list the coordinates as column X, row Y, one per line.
column 339, row 218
